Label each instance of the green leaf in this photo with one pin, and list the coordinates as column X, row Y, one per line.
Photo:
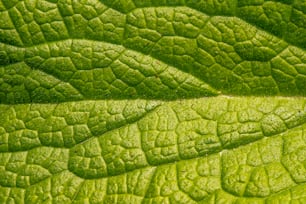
column 132, row 101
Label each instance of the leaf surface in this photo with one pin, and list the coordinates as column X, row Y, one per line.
column 181, row 101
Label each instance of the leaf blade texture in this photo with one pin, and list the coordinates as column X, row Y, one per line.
column 152, row 101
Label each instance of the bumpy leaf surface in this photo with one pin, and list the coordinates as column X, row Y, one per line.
column 152, row 101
